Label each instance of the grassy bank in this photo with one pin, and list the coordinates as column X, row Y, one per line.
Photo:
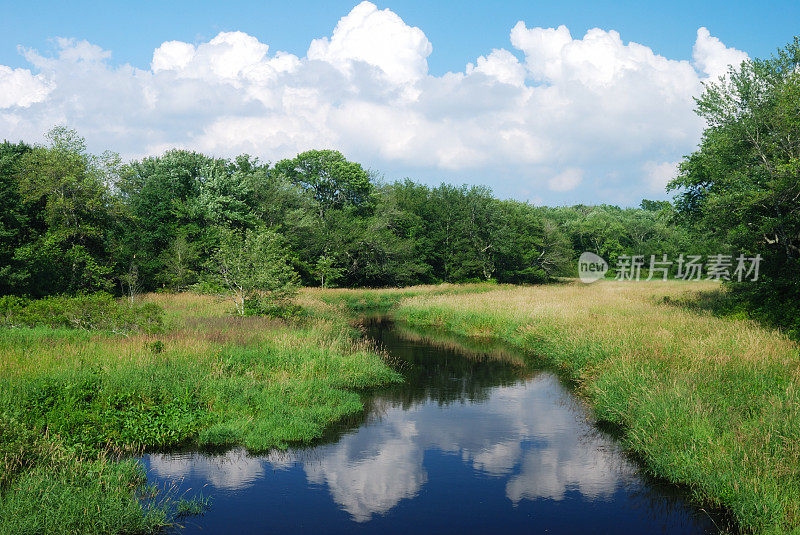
column 74, row 401
column 706, row 401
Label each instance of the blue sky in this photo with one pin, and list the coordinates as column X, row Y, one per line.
column 459, row 31
column 532, row 121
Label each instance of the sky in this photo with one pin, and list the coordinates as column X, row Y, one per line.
column 548, row 102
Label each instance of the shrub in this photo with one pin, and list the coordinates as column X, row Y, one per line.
column 94, row 311
column 258, row 306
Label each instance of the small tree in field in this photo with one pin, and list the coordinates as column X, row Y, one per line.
column 249, row 266
column 326, row 272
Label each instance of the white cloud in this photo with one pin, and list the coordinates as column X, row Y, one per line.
column 567, row 180
column 500, row 64
column 19, row 87
column 659, row 174
column 379, row 38
column 594, row 103
column 172, row 55
column 712, row 57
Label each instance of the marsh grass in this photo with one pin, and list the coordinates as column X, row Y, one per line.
column 706, row 401
column 70, row 397
column 363, row 301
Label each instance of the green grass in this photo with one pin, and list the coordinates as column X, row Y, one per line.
column 366, row 301
column 69, row 397
column 709, row 402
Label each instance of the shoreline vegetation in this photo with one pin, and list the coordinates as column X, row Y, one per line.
column 705, row 401
column 76, row 403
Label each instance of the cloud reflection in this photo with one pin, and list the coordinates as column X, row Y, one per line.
column 235, row 470
column 533, row 434
column 530, row 433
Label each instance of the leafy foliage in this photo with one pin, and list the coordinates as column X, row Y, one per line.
column 744, row 180
column 74, row 222
column 91, row 312
column 250, row 267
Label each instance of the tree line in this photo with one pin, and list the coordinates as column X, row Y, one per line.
column 74, row 222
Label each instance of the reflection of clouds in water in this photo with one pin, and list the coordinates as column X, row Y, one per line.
column 550, row 472
column 568, row 453
column 532, row 433
column 364, row 481
column 234, row 470
column 532, row 429
column 497, row 460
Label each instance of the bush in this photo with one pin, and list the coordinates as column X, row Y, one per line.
column 94, row 311
column 258, row 306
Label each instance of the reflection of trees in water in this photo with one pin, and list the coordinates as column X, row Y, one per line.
column 666, row 504
column 444, row 369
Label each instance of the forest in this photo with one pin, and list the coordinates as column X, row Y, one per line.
column 76, row 222
column 73, row 222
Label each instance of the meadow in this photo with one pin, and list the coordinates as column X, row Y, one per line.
column 75, row 403
column 705, row 401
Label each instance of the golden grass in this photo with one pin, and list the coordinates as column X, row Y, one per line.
column 633, row 314
column 706, row 401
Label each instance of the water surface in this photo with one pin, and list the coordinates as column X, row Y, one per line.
column 477, row 439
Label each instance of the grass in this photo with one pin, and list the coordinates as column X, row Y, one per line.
column 361, row 301
column 709, row 402
column 74, row 402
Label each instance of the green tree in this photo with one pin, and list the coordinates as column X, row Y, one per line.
column 250, row 265
column 16, row 217
column 744, row 180
column 161, row 196
column 326, row 270
column 332, row 181
column 69, row 187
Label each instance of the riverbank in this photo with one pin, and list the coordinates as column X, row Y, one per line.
column 708, row 402
column 74, row 403
column 712, row 403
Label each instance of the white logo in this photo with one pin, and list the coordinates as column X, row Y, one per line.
column 591, row 267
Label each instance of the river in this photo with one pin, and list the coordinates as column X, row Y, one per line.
column 478, row 439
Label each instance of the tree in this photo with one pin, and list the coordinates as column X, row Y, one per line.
column 15, row 217
column 161, row 194
column 326, row 270
column 744, row 180
column 68, row 188
column 250, row 266
column 332, row 181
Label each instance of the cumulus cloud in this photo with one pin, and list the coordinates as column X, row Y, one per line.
column 712, row 57
column 501, row 65
column 379, row 38
column 520, row 119
column 20, row 88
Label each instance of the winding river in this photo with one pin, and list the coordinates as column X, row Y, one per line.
column 476, row 440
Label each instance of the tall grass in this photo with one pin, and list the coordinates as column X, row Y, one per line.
column 709, row 402
column 208, row 378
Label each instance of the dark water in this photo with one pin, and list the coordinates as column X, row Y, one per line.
column 475, row 441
